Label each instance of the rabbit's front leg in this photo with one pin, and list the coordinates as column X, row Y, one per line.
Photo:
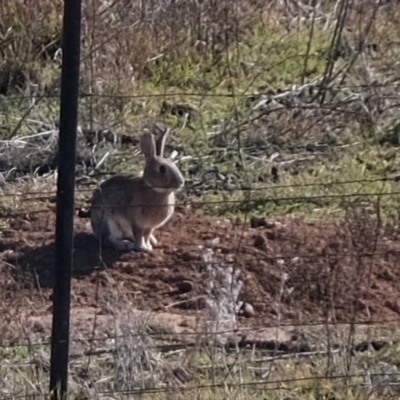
column 153, row 240
column 142, row 239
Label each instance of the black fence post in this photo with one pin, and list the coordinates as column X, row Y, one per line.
column 65, row 198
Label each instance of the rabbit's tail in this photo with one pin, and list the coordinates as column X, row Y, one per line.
column 84, row 213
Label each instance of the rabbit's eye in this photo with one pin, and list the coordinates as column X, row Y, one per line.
column 163, row 169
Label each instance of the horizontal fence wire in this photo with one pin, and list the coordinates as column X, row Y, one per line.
column 270, row 384
column 239, row 189
column 291, row 258
column 390, row 85
column 358, row 94
column 239, row 331
column 222, row 202
column 278, row 384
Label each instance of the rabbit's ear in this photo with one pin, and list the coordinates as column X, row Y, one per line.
column 160, row 143
column 148, row 146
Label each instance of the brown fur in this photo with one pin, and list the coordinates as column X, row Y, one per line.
column 126, row 210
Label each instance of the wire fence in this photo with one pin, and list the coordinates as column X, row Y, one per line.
column 278, row 273
column 333, row 338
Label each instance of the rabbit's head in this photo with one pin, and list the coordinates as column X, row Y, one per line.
column 159, row 173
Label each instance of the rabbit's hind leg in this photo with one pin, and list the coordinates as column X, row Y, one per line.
column 121, row 235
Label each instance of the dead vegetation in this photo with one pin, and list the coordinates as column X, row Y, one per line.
column 278, row 109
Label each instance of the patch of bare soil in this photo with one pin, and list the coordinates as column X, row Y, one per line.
column 292, row 271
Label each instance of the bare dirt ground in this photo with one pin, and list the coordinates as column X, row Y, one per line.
column 294, row 271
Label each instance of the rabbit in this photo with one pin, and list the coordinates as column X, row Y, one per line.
column 126, row 210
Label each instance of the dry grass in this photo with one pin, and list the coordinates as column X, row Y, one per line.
column 259, row 94
column 134, row 356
